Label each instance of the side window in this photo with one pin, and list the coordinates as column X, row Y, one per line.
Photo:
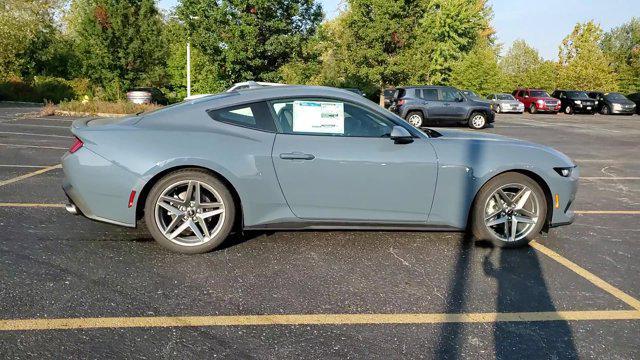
column 430, row 94
column 330, row 118
column 254, row 116
column 448, row 95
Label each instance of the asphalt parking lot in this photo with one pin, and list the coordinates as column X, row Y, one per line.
column 76, row 288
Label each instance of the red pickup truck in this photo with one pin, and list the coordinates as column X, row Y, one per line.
column 537, row 100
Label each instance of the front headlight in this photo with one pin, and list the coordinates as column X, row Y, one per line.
column 563, row 171
column 540, row 102
column 617, row 106
column 578, row 102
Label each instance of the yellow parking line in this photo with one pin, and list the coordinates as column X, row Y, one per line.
column 26, row 176
column 33, row 146
column 310, row 319
column 608, row 212
column 624, row 297
column 36, row 205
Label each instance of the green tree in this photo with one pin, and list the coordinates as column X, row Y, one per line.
column 479, row 71
column 20, row 20
column 583, row 64
column 622, row 45
column 204, row 73
column 524, row 67
column 448, row 30
column 250, row 40
column 120, row 43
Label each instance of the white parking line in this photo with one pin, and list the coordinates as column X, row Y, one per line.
column 37, row 125
column 610, row 178
column 34, row 146
column 34, row 134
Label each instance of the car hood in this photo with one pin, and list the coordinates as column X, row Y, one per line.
column 509, row 102
column 494, row 138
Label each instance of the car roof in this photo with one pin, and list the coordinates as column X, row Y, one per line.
column 424, row 87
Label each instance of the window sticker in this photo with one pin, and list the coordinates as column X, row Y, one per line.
column 318, row 117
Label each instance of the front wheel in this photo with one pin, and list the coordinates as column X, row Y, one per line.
column 510, row 210
column 568, row 110
column 605, row 110
column 189, row 211
column 532, row 108
column 477, row 121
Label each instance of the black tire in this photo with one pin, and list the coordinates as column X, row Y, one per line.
column 568, row 110
column 532, row 108
column 203, row 177
column 605, row 110
column 477, row 120
column 482, row 232
column 415, row 118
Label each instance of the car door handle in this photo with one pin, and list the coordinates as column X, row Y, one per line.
column 296, row 156
column 447, row 104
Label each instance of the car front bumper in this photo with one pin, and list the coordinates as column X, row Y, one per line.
column 563, row 194
column 623, row 111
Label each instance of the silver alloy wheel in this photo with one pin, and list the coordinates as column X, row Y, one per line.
column 512, row 212
column 499, row 108
column 415, row 120
column 567, row 110
column 189, row 213
column 478, row 121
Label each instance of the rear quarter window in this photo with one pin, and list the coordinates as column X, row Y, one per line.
column 253, row 116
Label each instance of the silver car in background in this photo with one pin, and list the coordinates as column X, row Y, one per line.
column 505, row 103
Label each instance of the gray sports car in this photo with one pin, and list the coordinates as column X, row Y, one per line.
column 297, row 157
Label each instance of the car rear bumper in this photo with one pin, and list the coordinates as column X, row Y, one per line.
column 98, row 188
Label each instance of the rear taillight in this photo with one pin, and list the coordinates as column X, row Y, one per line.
column 401, row 102
column 76, row 146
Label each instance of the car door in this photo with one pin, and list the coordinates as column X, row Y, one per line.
column 455, row 110
column 431, row 106
column 335, row 161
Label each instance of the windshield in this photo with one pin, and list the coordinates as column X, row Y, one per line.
column 615, row 96
column 577, row 95
column 538, row 93
column 505, row 97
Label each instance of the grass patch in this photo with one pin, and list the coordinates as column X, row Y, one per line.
column 106, row 107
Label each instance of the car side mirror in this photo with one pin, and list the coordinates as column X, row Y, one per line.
column 400, row 135
column 460, row 99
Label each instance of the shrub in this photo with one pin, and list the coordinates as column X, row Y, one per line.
column 53, row 89
column 40, row 90
column 105, row 107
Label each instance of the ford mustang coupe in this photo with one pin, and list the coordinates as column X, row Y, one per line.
column 299, row 157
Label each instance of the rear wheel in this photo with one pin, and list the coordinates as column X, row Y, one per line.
column 415, row 118
column 509, row 210
column 477, row 120
column 189, row 211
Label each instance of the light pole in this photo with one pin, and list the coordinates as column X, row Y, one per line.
column 188, row 68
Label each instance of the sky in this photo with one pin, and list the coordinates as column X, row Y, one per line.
column 542, row 23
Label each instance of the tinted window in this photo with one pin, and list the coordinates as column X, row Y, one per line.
column 329, row 117
column 539, row 93
column 430, row 94
column 615, row 96
column 505, row 97
column 577, row 94
column 448, row 94
column 255, row 116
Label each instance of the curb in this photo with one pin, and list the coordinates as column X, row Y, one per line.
column 76, row 113
column 21, row 103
